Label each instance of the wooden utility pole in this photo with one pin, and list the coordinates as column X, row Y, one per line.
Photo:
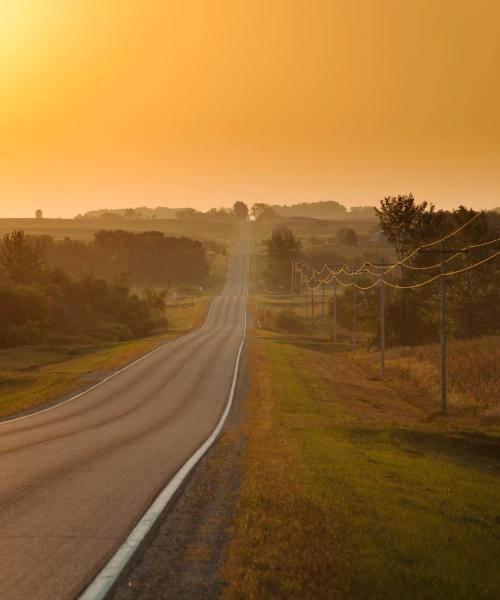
column 382, row 267
column 442, row 328
column 334, row 310
column 354, row 317
column 382, row 319
column 334, row 307
column 442, row 358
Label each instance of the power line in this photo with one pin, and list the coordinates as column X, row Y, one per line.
column 405, row 287
column 332, row 276
column 344, row 269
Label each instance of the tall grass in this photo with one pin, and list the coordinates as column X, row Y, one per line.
column 473, row 371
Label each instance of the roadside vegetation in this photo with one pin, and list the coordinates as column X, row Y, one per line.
column 39, row 374
column 76, row 292
column 350, row 492
column 61, row 333
column 354, row 485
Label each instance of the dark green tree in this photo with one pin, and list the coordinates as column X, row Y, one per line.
column 281, row 249
column 240, row 210
column 22, row 258
column 406, row 223
column 347, row 236
column 262, row 211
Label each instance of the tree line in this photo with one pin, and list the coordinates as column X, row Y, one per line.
column 238, row 211
column 329, row 209
column 413, row 314
column 141, row 258
column 79, row 292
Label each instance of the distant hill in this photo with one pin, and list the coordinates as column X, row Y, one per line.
column 142, row 212
column 315, row 210
column 324, row 210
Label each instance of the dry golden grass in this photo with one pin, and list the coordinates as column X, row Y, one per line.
column 473, row 372
column 473, row 377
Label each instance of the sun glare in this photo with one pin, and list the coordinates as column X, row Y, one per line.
column 18, row 25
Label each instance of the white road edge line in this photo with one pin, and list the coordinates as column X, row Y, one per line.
column 104, row 580
column 106, row 379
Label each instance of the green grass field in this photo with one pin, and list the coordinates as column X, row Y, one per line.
column 355, row 486
column 348, row 491
column 472, row 364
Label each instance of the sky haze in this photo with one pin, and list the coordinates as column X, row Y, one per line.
column 117, row 103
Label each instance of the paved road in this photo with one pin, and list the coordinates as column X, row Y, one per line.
column 75, row 480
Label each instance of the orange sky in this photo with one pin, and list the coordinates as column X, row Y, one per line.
column 111, row 103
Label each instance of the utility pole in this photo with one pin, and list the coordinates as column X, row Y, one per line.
column 334, row 309
column 322, row 299
column 354, row 317
column 442, row 329
column 382, row 319
column 292, row 279
column 312, row 303
column 304, row 289
column 442, row 357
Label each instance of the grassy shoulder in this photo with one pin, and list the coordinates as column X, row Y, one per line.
column 33, row 376
column 349, row 491
column 473, row 377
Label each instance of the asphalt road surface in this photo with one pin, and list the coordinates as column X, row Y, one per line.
column 75, row 480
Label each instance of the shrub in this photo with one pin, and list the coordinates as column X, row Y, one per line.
column 19, row 304
column 112, row 331
column 287, row 320
column 28, row 333
column 347, row 236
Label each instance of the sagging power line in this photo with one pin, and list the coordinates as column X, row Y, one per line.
column 313, row 279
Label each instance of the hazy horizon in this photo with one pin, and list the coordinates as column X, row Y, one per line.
column 68, row 214
column 112, row 104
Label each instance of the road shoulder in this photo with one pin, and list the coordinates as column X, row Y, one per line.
column 183, row 556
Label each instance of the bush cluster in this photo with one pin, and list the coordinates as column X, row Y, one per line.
column 287, row 320
column 44, row 305
column 84, row 310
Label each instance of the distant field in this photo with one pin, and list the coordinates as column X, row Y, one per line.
column 86, row 228
column 305, row 227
